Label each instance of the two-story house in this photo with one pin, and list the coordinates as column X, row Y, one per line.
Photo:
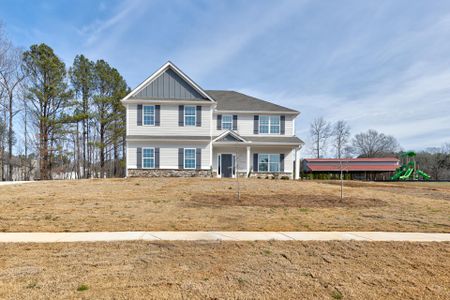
column 175, row 128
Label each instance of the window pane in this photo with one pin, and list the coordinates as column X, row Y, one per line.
column 148, row 153
column 274, row 120
column 189, row 115
column 149, row 163
column 189, row 158
column 189, row 110
column 189, row 120
column 227, row 122
column 262, row 167
column 149, row 115
column 263, row 124
column 274, row 167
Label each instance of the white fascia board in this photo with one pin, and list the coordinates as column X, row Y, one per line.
column 162, row 101
column 231, row 133
column 155, row 75
column 275, row 144
column 257, row 112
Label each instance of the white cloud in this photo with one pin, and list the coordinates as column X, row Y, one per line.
column 227, row 37
column 103, row 30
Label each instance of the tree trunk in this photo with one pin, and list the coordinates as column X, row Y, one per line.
column 10, row 137
column 102, row 151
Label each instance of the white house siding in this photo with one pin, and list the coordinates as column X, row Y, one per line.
column 168, row 153
column 245, row 124
column 168, row 121
column 241, row 154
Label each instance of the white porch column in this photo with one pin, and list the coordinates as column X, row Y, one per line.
column 248, row 160
column 297, row 163
column 210, row 154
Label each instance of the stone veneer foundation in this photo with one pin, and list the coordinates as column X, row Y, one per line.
column 168, row 173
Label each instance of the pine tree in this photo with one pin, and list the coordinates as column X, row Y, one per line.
column 49, row 97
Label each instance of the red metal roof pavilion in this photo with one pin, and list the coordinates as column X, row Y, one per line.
column 388, row 164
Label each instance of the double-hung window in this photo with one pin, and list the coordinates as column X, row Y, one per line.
column 269, row 124
column 189, row 158
column 148, row 158
column 190, row 116
column 269, row 163
column 148, row 112
column 227, row 122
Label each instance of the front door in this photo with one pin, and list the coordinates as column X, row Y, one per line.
column 227, row 165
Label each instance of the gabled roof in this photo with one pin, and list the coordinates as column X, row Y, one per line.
column 235, row 101
column 229, row 136
column 174, row 74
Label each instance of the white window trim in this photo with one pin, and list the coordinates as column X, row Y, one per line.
column 269, row 125
column 268, row 163
column 195, row 115
column 227, row 122
column 143, row 115
column 143, row 156
column 184, row 158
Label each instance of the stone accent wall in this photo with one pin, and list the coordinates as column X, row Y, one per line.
column 284, row 175
column 168, row 173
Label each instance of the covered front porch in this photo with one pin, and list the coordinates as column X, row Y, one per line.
column 233, row 155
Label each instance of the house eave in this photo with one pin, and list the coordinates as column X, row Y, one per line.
column 257, row 112
column 172, row 101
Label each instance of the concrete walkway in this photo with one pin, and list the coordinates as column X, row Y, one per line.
column 14, row 182
column 56, row 237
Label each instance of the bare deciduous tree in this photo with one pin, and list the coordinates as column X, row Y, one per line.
column 341, row 135
column 374, row 144
column 320, row 132
column 11, row 76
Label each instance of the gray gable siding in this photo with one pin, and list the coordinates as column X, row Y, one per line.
column 169, row 85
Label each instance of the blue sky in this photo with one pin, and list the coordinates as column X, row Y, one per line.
column 376, row 64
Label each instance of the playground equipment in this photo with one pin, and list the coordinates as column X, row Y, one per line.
column 408, row 170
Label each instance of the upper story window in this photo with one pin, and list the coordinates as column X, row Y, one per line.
column 269, row 163
column 189, row 158
column 190, row 115
column 148, row 112
column 148, row 158
column 269, row 124
column 227, row 122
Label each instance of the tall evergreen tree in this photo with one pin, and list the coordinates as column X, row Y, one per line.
column 110, row 88
column 82, row 78
column 49, row 96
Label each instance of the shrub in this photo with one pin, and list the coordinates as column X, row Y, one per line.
column 83, row 287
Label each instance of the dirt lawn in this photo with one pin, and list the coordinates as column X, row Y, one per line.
column 212, row 204
column 236, row 270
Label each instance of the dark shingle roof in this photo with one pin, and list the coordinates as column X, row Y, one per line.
column 231, row 100
column 274, row 139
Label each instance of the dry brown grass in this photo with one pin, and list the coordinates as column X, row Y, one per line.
column 209, row 204
column 237, row 270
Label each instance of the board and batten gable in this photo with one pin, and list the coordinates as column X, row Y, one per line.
column 169, row 85
column 245, row 123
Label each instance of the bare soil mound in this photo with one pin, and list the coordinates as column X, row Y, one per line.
column 284, row 200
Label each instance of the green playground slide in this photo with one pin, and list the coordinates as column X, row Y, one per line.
column 423, row 174
column 397, row 174
column 407, row 174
